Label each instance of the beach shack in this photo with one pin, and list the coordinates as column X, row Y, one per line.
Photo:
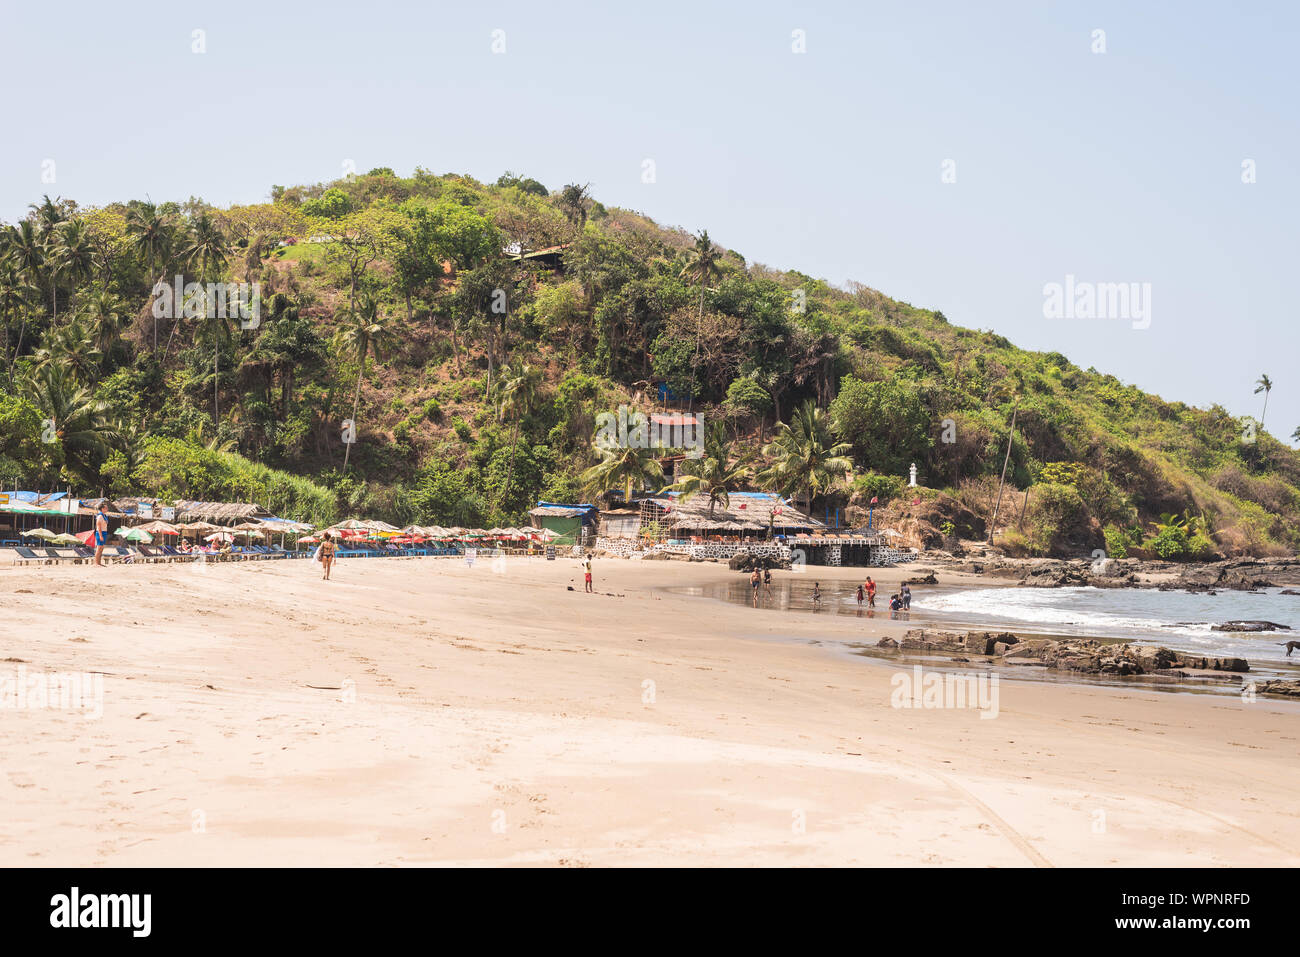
column 574, row 524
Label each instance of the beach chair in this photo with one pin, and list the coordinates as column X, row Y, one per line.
column 64, row 555
column 26, row 556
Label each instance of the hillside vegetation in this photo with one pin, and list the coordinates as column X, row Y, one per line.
column 474, row 376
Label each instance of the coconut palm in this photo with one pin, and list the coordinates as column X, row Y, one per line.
column 364, row 333
column 82, row 432
column 104, row 318
column 214, row 330
column 624, row 467
column 71, row 346
column 15, row 292
column 520, row 389
column 714, row 474
column 807, row 461
column 703, row 264
column 1263, row 384
column 152, row 238
column 72, row 254
column 27, row 254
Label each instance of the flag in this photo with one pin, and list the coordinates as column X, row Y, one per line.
column 873, row 500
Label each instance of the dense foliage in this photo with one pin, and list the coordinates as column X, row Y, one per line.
column 472, row 333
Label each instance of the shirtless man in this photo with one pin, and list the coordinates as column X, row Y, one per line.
column 101, row 533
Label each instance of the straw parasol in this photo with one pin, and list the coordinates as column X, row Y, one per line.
column 65, row 539
column 159, row 528
column 39, row 533
column 222, row 535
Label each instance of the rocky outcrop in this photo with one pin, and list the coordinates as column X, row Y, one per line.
column 1081, row 655
column 1290, row 689
column 1250, row 626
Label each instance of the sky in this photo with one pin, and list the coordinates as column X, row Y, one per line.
column 957, row 156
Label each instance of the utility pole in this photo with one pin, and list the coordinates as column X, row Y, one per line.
column 1010, row 435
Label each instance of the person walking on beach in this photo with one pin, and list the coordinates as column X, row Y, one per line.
column 753, row 585
column 586, row 573
column 327, row 554
column 861, row 595
column 817, row 594
column 871, row 592
column 906, row 595
column 767, row 582
column 101, row 533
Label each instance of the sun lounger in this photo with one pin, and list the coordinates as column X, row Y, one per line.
column 64, row 555
column 26, row 556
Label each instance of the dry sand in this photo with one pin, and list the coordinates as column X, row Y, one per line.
column 465, row 716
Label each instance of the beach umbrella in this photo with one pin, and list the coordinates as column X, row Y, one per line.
column 86, row 538
column 159, row 528
column 222, row 535
column 136, row 535
column 65, row 539
column 39, row 533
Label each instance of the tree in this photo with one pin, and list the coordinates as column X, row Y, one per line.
column 520, row 389
column 82, row 431
column 27, row 254
column 807, row 461
column 365, row 333
column 104, row 317
column 15, row 291
column 886, row 422
column 73, row 251
column 573, row 203
column 703, row 263
column 1263, row 384
column 152, row 237
column 715, row 474
column 620, row 466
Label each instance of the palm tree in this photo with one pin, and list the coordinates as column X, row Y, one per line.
column 206, row 246
column 366, row 333
column 520, row 389
column 622, row 467
column 71, row 346
column 1263, row 384
column 714, row 474
column 15, row 291
column 703, row 264
column 104, row 316
column 82, row 430
column 1295, row 436
column 73, row 253
column 807, row 461
column 151, row 237
column 27, row 253
column 214, row 328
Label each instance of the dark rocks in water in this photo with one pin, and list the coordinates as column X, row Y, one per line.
column 745, row 563
column 924, row 580
column 1214, row 664
column 1290, row 689
column 887, row 643
column 1250, row 626
column 1289, row 591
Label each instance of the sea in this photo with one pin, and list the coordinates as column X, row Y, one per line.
column 1176, row 619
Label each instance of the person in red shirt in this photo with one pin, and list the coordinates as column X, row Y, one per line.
column 871, row 592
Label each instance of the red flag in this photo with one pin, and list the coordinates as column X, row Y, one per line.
column 873, row 500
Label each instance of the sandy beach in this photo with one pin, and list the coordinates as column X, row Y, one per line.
column 421, row 712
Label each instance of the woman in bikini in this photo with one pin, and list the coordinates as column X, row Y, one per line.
column 327, row 554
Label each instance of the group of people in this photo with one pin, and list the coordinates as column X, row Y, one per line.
column 902, row 601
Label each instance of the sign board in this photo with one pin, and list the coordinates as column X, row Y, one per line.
column 550, row 553
column 4, row 498
column 145, row 510
column 169, row 513
column 470, row 555
column 69, row 505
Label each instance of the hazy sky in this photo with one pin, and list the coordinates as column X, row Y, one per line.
column 1115, row 167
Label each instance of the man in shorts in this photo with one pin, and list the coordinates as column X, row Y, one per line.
column 586, row 573
column 101, row 533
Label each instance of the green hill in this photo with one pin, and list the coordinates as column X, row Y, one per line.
column 477, row 374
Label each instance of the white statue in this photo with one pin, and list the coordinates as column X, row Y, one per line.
column 912, row 483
